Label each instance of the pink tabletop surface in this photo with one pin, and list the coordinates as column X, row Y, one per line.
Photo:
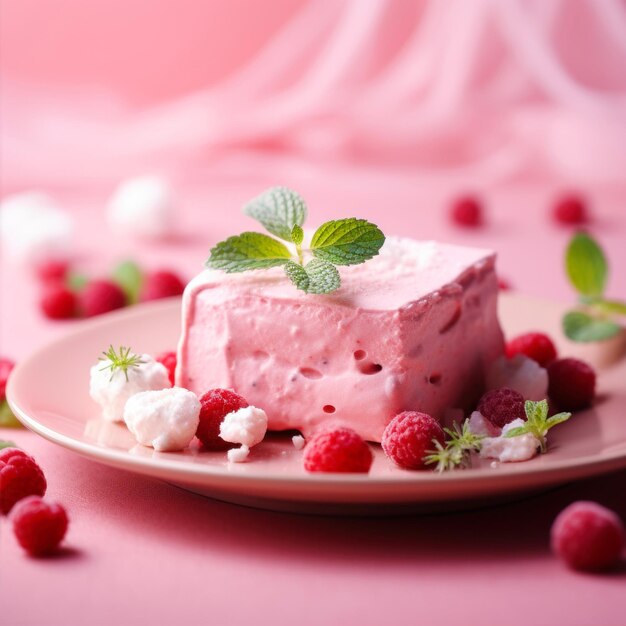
column 140, row 551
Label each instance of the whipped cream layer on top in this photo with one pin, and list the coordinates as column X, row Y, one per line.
column 414, row 328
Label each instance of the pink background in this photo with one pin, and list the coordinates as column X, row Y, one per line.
column 83, row 86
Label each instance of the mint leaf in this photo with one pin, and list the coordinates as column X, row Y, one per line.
column 248, row 251
column 316, row 277
column 7, row 419
column 297, row 234
column 538, row 423
column 516, row 432
column 347, row 242
column 129, row 277
column 581, row 327
column 7, row 444
column 559, row 418
column 611, row 306
column 586, row 265
column 76, row 282
column 279, row 209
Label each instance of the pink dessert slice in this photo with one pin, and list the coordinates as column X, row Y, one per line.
column 414, row 328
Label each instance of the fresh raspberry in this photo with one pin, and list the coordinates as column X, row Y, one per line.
column 215, row 405
column 20, row 476
column 162, row 284
column 536, row 346
column 504, row 284
column 409, row 437
column 570, row 210
column 169, row 360
column 337, row 450
column 572, row 384
column 101, row 296
column 501, row 406
column 58, row 302
column 5, row 369
column 52, row 270
column 38, row 525
column 588, row 536
column 467, row 212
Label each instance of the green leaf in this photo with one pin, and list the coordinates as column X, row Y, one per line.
column 516, row 432
column 7, row 419
column 129, row 277
column 536, row 412
column 316, row 277
column 581, row 327
column 297, row 234
column 586, row 265
column 347, row 242
column 248, row 251
column 559, row 418
column 76, row 282
column 7, row 444
column 611, row 306
column 279, row 209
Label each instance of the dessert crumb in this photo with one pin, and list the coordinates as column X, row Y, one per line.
column 238, row 455
column 298, row 442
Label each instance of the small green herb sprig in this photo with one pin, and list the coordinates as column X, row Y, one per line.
column 587, row 270
column 456, row 451
column 7, row 444
column 120, row 360
column 283, row 212
column 538, row 423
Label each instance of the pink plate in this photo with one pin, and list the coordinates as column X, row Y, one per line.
column 49, row 394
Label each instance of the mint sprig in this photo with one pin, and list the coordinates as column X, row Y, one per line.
column 282, row 211
column 120, row 360
column 537, row 422
column 587, row 269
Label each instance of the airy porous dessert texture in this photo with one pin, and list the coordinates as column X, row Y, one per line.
column 413, row 329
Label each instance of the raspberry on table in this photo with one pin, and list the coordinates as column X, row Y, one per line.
column 501, row 406
column 536, row 346
column 101, row 296
column 161, row 284
column 58, row 302
column 39, row 526
column 570, row 210
column 20, row 476
column 588, row 536
column 169, row 360
column 467, row 212
column 337, row 450
column 572, row 384
column 215, row 405
column 6, row 366
column 408, row 438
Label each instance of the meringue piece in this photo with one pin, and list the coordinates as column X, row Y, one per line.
column 510, row 449
column 238, row 455
column 246, row 426
column 521, row 374
column 298, row 442
column 143, row 207
column 111, row 389
column 478, row 425
column 165, row 420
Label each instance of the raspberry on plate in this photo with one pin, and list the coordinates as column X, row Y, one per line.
column 409, row 437
column 101, row 296
column 536, row 346
column 20, row 476
column 161, row 284
column 501, row 406
column 39, row 526
column 570, row 210
column 52, row 270
column 588, row 536
column 58, row 302
column 467, row 212
column 215, row 405
column 6, row 365
column 169, row 360
column 572, row 384
column 337, row 450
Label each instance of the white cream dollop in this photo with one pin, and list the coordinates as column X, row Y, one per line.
column 521, row 374
column 112, row 390
column 510, row 449
column 246, row 426
column 165, row 420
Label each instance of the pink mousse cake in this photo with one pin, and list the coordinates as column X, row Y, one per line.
column 414, row 328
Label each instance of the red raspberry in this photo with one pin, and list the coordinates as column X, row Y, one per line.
column 337, row 450
column 101, row 296
column 501, row 406
column 162, row 284
column 409, row 437
column 169, row 360
column 467, row 212
column 215, row 405
column 20, row 476
column 536, row 346
column 58, row 302
column 570, row 210
column 5, row 369
column 588, row 536
column 52, row 271
column 572, row 384
column 503, row 284
column 39, row 526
